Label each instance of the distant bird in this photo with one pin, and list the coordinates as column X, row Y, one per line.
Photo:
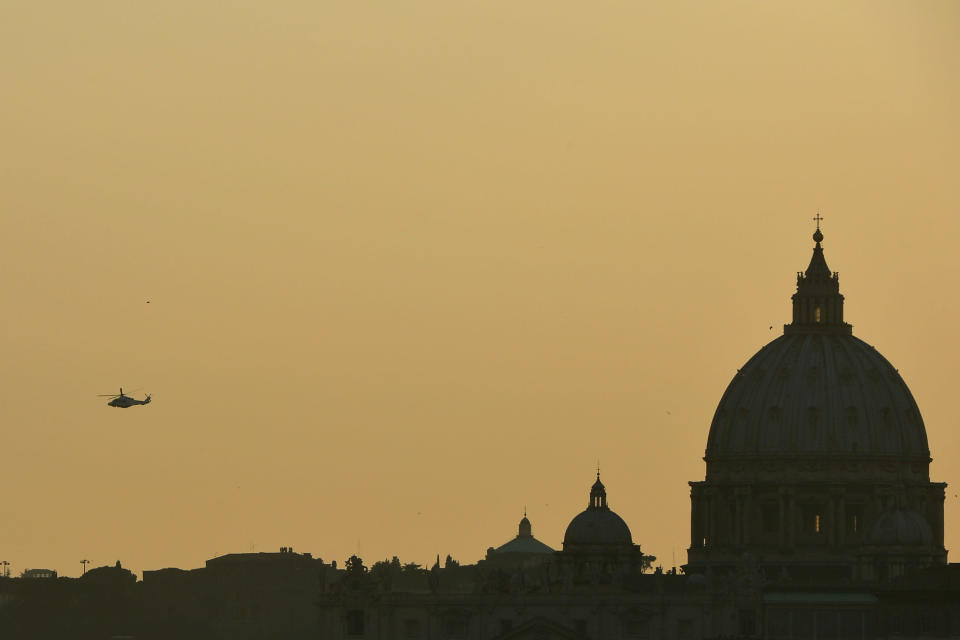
column 148, row 302
column 771, row 326
column 669, row 414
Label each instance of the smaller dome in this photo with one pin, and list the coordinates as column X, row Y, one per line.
column 597, row 525
column 523, row 543
column 900, row 527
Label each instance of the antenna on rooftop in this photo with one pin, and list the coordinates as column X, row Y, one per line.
column 84, row 562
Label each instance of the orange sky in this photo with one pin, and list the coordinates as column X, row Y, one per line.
column 414, row 265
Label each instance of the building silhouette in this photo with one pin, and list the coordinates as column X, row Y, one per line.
column 816, row 520
column 817, row 457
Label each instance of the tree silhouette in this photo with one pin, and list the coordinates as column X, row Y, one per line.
column 355, row 566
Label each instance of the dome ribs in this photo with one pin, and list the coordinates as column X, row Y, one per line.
column 835, row 396
column 821, row 395
column 803, row 402
column 872, row 430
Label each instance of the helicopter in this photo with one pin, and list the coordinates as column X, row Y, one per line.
column 123, row 401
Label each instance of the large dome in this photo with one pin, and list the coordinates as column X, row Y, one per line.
column 817, row 390
column 828, row 394
column 817, row 457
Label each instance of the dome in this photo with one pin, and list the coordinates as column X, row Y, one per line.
column 523, row 543
column 597, row 525
column 813, row 438
column 901, row 527
column 817, row 390
column 818, row 394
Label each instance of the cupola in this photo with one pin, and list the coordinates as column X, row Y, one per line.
column 598, row 495
column 818, row 303
column 525, row 530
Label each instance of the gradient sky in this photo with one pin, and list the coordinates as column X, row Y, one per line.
column 414, row 265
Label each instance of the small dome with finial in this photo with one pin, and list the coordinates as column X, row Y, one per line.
column 525, row 530
column 817, row 236
column 523, row 544
column 598, row 525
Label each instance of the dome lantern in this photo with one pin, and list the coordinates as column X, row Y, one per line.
column 818, row 303
column 525, row 530
column 598, row 495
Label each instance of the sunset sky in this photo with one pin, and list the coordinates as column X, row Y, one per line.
column 414, row 265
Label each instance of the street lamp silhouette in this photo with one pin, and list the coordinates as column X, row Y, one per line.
column 84, row 562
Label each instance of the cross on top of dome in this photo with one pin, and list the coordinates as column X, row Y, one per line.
column 817, row 235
